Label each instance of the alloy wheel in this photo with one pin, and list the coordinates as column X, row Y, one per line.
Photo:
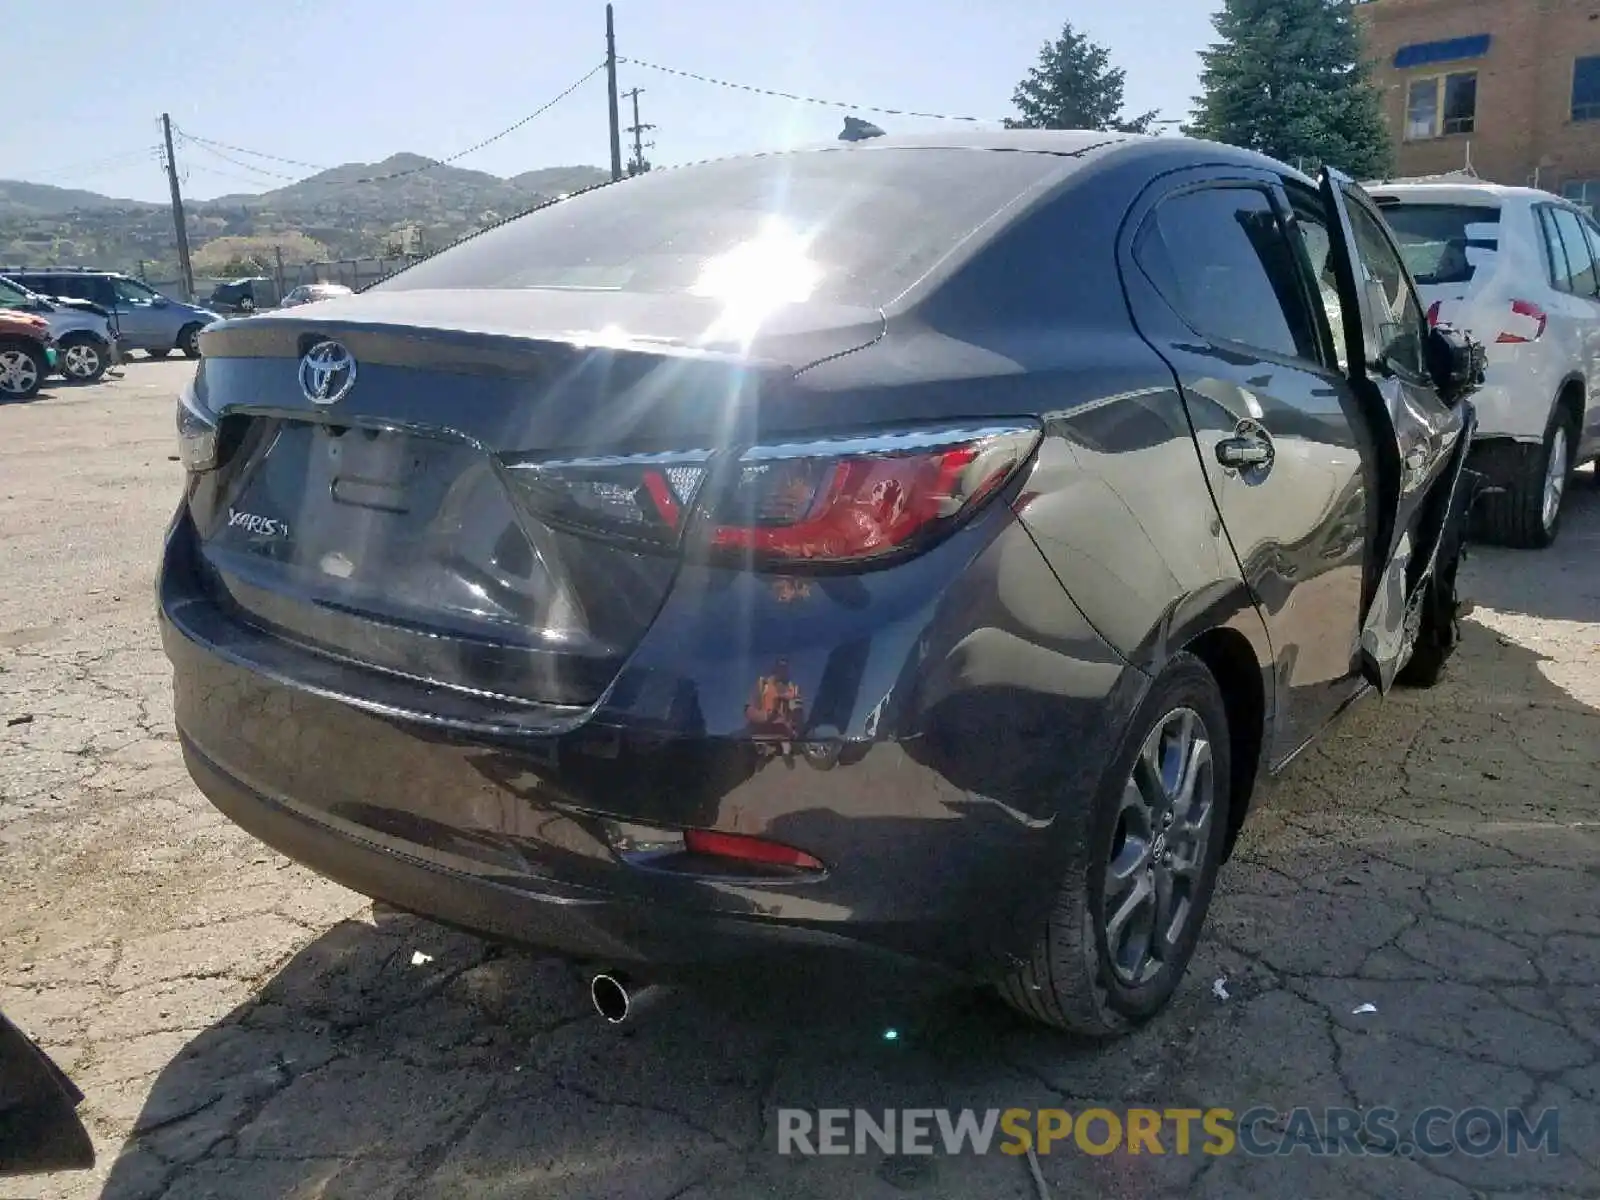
column 1555, row 476
column 19, row 374
column 80, row 361
column 1159, row 847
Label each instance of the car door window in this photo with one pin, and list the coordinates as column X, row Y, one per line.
column 130, row 293
column 1311, row 230
column 11, row 296
column 64, row 285
column 1592, row 232
column 1222, row 259
column 1394, row 327
column 1578, row 275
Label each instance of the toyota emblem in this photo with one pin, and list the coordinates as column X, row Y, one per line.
column 327, row 373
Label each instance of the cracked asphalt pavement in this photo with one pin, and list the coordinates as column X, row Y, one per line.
column 242, row 1028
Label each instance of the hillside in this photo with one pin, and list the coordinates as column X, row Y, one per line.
column 16, row 195
column 354, row 210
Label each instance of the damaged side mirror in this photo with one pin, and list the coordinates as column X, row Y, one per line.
column 1456, row 362
column 39, row 1125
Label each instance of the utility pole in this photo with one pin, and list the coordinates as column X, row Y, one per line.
column 184, row 268
column 611, row 93
column 638, row 166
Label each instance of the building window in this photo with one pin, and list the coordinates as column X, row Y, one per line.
column 1585, row 192
column 1425, row 54
column 1442, row 105
column 1586, row 89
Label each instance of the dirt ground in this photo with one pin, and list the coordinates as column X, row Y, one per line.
column 244, row 1029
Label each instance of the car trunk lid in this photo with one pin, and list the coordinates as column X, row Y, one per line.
column 468, row 513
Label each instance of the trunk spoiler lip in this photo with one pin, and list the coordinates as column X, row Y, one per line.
column 830, row 333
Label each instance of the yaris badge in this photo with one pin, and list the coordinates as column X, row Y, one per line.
column 327, row 373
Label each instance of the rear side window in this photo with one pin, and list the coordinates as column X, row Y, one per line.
column 76, row 286
column 1223, row 261
column 852, row 227
column 1444, row 243
column 1574, row 268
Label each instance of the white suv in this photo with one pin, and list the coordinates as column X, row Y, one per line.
column 1516, row 268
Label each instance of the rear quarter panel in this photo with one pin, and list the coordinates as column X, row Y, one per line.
column 1116, row 499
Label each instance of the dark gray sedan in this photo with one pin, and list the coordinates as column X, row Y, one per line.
column 916, row 549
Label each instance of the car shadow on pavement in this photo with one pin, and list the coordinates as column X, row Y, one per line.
column 1409, row 920
column 48, row 392
column 1504, row 581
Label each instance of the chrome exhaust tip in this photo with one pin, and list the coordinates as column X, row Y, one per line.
column 617, row 1000
column 610, row 997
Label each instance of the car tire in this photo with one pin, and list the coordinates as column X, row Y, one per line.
column 23, row 368
column 82, row 359
column 1086, row 973
column 1519, row 516
column 189, row 341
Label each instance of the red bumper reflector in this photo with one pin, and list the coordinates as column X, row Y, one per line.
column 748, row 849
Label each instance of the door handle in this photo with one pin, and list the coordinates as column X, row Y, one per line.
column 1244, row 452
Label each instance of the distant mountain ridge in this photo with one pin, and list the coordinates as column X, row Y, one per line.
column 406, row 201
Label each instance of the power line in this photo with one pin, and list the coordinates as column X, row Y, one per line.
column 96, row 164
column 510, row 129
column 212, row 144
column 228, row 158
column 206, row 170
column 761, row 91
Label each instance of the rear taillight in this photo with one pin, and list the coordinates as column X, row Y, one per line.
column 197, row 432
column 639, row 498
column 823, row 501
column 1529, row 327
column 854, row 499
column 1433, row 313
column 748, row 849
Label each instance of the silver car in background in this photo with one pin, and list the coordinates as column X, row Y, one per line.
column 86, row 347
column 308, row 293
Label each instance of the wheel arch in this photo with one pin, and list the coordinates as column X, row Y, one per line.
column 1571, row 398
column 1233, row 663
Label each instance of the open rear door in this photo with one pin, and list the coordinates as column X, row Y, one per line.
column 1420, row 442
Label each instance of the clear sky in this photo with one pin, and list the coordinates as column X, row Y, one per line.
column 333, row 81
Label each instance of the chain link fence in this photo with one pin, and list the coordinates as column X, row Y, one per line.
column 353, row 273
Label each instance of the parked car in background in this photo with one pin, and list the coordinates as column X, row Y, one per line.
column 146, row 320
column 244, row 295
column 1516, row 268
column 308, row 293
column 27, row 355
column 836, row 464
column 85, row 347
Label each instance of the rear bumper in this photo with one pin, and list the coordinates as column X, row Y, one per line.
column 940, row 808
column 583, row 925
column 1509, row 408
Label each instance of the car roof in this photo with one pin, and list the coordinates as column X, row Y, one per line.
column 1451, row 191
column 1080, row 144
column 85, row 271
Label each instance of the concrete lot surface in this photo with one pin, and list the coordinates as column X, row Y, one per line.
column 244, row 1029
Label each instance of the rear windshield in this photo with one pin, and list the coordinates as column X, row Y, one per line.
column 845, row 227
column 1444, row 243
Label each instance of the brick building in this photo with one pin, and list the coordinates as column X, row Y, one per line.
column 1510, row 86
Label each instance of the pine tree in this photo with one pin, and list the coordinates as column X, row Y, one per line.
column 1288, row 78
column 1074, row 87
